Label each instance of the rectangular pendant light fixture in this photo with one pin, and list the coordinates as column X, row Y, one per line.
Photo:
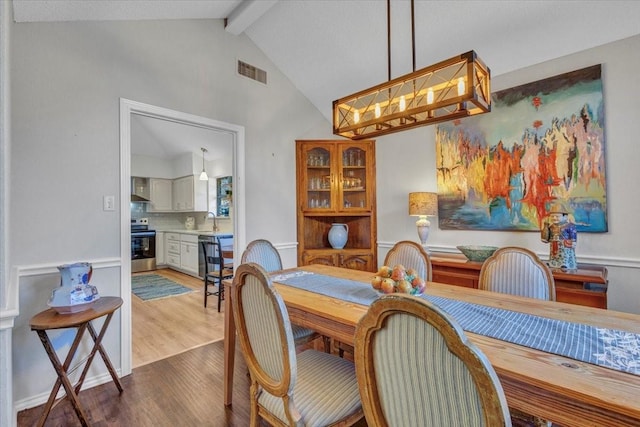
column 455, row 88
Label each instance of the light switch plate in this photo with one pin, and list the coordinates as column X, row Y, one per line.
column 109, row 203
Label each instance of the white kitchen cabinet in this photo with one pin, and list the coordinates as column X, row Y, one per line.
column 160, row 252
column 189, row 253
column 173, row 249
column 190, row 194
column 182, row 252
column 161, row 191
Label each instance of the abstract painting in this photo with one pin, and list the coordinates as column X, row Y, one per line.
column 541, row 147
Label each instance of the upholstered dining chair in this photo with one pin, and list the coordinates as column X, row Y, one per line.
column 517, row 271
column 415, row 367
column 411, row 255
column 310, row 388
column 263, row 253
column 214, row 271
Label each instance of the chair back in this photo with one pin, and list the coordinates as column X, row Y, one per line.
column 264, row 331
column 517, row 271
column 226, row 240
column 213, row 261
column 415, row 367
column 411, row 255
column 262, row 252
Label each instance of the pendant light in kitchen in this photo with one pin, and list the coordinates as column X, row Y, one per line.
column 203, row 175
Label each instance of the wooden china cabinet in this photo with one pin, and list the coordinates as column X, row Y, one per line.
column 336, row 184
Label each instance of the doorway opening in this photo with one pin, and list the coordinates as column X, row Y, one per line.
column 127, row 109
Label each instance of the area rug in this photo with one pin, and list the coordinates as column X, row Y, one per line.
column 153, row 286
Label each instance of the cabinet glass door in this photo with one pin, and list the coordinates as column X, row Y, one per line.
column 354, row 178
column 319, row 178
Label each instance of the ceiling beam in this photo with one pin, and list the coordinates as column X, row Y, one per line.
column 245, row 14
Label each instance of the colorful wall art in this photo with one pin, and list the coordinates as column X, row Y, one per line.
column 541, row 147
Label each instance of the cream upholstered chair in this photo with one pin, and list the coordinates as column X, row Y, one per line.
column 311, row 388
column 263, row 253
column 517, row 271
column 415, row 367
column 411, row 255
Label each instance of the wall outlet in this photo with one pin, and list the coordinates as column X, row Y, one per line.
column 109, row 203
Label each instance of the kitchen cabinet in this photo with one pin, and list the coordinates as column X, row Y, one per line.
column 190, row 194
column 347, row 258
column 189, row 253
column 160, row 252
column 160, row 195
column 172, row 249
column 585, row 286
column 182, row 252
column 336, row 184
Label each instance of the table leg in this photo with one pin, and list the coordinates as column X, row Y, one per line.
column 229, row 346
column 97, row 339
column 63, row 379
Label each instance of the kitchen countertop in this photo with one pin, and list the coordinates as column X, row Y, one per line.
column 198, row 232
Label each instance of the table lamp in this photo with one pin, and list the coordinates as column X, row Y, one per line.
column 423, row 205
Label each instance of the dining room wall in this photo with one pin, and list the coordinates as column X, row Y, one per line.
column 406, row 162
column 66, row 82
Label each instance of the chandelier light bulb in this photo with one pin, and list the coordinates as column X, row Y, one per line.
column 356, row 116
column 378, row 113
column 402, row 105
column 461, row 88
column 430, row 96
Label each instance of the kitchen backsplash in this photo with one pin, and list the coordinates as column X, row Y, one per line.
column 177, row 220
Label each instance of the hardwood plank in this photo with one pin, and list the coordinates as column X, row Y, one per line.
column 183, row 390
column 168, row 326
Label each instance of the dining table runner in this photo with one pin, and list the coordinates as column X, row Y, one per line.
column 610, row 348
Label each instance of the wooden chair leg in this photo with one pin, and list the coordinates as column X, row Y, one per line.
column 327, row 344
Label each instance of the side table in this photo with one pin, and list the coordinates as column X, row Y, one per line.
column 50, row 319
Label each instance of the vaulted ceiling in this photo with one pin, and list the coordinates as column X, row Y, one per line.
column 332, row 48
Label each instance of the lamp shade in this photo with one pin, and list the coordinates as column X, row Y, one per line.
column 423, row 203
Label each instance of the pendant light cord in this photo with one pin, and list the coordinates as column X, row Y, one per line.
column 413, row 37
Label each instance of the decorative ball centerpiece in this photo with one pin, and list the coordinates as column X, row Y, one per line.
column 398, row 279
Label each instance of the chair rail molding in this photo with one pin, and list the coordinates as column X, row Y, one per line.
column 588, row 259
column 12, row 310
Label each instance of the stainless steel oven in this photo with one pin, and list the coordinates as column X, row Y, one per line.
column 143, row 246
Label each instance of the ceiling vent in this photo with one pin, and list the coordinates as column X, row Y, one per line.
column 252, row 72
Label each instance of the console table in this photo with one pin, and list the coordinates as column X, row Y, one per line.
column 586, row 286
column 51, row 319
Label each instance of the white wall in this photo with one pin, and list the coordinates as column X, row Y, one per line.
column 406, row 162
column 66, row 82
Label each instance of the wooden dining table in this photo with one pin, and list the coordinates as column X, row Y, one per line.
column 556, row 388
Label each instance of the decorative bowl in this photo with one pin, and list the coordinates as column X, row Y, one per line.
column 398, row 279
column 476, row 252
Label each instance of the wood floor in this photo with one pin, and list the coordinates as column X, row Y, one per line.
column 183, row 390
column 169, row 326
